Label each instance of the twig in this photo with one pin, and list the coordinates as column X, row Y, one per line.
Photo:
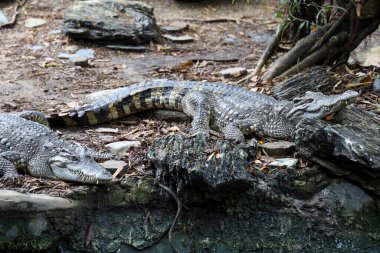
column 12, row 22
column 266, row 55
column 329, row 33
column 180, row 205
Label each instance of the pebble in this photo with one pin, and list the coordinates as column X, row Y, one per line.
column 37, row 48
column 113, row 165
column 121, row 147
column 233, row 72
column 179, row 39
column 174, row 27
column 87, row 53
column 107, row 130
column 3, row 18
column 376, row 85
column 34, row 22
column 55, row 31
column 278, row 148
column 283, row 162
column 80, row 61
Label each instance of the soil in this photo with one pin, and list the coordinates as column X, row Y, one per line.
column 226, row 34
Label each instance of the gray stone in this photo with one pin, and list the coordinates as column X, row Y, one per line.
column 314, row 79
column 172, row 29
column 217, row 170
column 107, row 130
column 34, row 22
column 36, row 48
column 85, row 52
column 55, row 31
column 3, row 18
column 121, row 147
column 278, row 148
column 233, row 72
column 348, row 146
column 127, row 48
column 65, row 56
column 178, row 39
column 284, row 163
column 120, row 21
column 376, row 85
column 79, row 61
column 113, row 165
column 13, row 201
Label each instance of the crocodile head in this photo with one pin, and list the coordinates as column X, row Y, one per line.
column 318, row 105
column 79, row 166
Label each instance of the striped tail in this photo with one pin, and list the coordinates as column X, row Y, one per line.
column 120, row 103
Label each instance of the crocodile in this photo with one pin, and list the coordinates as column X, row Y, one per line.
column 231, row 110
column 28, row 144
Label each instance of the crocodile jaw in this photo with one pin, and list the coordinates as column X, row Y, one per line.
column 318, row 105
column 86, row 170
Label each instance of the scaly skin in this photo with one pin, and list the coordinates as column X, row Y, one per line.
column 26, row 143
column 231, row 110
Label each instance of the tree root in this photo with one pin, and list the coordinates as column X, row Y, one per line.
column 266, row 55
column 180, row 205
column 328, row 49
column 299, row 51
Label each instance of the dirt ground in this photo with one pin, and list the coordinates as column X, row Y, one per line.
column 37, row 79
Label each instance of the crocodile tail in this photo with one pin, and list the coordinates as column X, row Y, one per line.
column 120, row 103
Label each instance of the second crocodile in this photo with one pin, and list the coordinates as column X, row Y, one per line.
column 28, row 144
column 231, row 110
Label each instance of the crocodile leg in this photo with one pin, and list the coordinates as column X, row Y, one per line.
column 235, row 130
column 197, row 105
column 35, row 116
column 9, row 163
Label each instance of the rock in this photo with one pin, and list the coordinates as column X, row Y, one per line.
column 12, row 201
column 283, row 163
column 348, row 147
column 278, row 148
column 376, row 85
column 34, row 22
column 79, row 61
column 113, row 165
column 173, row 116
column 233, row 72
column 120, row 21
column 55, row 31
column 314, row 79
column 3, row 18
column 36, row 48
column 65, row 56
column 121, row 147
column 127, row 48
column 178, row 39
column 107, row 130
column 217, row 170
column 85, row 52
column 174, row 27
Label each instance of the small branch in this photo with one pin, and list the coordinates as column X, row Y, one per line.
column 329, row 33
column 180, row 205
column 297, row 53
column 329, row 48
column 266, row 55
